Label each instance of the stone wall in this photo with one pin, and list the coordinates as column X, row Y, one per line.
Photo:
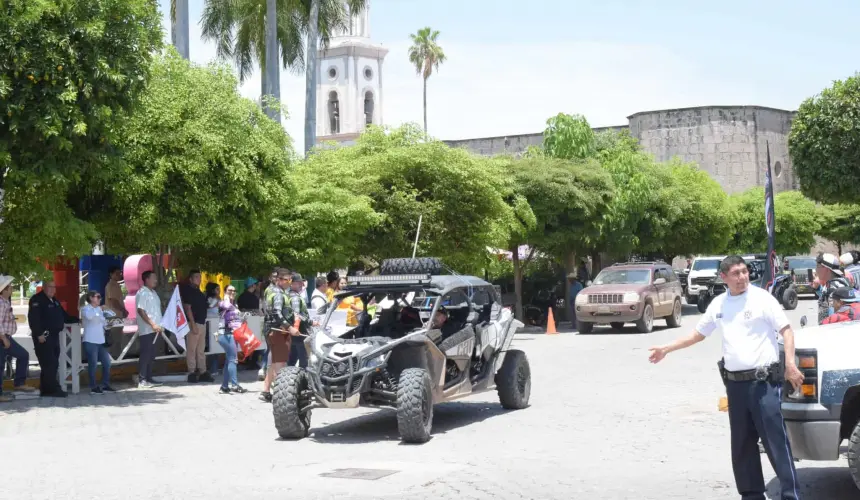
column 510, row 144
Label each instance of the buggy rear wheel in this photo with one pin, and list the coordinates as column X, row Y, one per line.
column 420, row 265
column 789, row 299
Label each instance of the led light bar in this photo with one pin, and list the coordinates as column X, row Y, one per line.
column 399, row 279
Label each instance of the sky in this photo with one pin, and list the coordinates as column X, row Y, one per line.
column 511, row 67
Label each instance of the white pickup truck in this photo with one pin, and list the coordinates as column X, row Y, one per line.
column 826, row 411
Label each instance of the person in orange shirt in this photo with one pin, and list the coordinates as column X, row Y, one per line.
column 846, row 303
column 333, row 281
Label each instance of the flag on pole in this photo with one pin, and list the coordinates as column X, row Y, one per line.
column 771, row 265
column 174, row 319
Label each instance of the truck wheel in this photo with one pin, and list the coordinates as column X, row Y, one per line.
column 617, row 325
column 646, row 323
column 584, row 327
column 286, row 403
column 421, row 265
column 414, row 405
column 674, row 321
column 692, row 299
column 702, row 305
column 789, row 299
column 854, row 454
column 514, row 381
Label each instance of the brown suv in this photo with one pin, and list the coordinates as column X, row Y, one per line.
column 631, row 292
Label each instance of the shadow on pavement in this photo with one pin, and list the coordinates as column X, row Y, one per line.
column 382, row 425
column 820, row 483
column 123, row 397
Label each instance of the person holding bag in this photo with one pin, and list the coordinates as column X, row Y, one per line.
column 232, row 321
column 94, row 325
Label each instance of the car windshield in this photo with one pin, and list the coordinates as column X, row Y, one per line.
column 801, row 263
column 390, row 313
column 706, row 265
column 623, row 276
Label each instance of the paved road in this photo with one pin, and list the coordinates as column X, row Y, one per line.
column 603, row 423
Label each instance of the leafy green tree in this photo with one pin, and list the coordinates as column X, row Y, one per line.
column 426, row 55
column 824, row 143
column 796, row 223
column 68, row 69
column 568, row 137
column 839, row 223
column 203, row 172
column 693, row 215
column 457, row 195
column 565, row 199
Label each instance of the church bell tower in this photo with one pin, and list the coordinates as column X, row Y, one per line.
column 349, row 83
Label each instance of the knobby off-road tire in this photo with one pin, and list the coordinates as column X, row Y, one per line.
column 789, row 299
column 286, row 403
column 421, row 265
column 702, row 304
column 674, row 321
column 646, row 323
column 854, row 454
column 514, row 381
column 414, row 405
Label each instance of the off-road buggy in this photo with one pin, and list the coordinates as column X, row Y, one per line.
column 392, row 353
column 784, row 289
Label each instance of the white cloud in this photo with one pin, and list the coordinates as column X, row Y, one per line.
column 492, row 90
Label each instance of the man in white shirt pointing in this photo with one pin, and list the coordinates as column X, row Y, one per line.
column 749, row 319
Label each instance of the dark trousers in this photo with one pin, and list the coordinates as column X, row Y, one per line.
column 754, row 412
column 298, row 352
column 147, row 357
column 22, row 360
column 48, row 354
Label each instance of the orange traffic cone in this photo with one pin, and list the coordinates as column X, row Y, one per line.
column 550, row 323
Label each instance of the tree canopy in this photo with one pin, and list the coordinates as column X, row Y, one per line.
column 795, row 222
column 824, row 143
column 68, row 70
column 202, row 170
column 839, row 223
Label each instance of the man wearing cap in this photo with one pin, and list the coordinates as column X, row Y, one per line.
column 830, row 278
column 47, row 319
column 8, row 346
column 298, row 319
column 846, row 304
column 248, row 301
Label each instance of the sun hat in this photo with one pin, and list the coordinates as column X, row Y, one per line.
column 5, row 281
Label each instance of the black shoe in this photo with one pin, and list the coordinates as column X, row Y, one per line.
column 107, row 388
column 192, row 378
column 206, row 377
column 265, row 397
column 97, row 390
column 224, row 390
column 238, row 389
column 59, row 393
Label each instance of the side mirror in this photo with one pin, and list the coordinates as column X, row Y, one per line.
column 803, row 321
column 660, row 281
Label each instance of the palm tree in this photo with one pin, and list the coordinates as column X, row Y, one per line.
column 179, row 27
column 311, row 78
column 426, row 55
column 239, row 27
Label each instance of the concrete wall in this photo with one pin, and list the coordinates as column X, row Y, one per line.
column 729, row 142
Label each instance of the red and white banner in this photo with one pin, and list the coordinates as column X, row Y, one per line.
column 174, row 319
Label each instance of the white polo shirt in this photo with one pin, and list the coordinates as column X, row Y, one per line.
column 147, row 300
column 749, row 323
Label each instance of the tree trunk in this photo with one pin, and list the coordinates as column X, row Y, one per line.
column 272, row 74
column 839, row 247
column 311, row 79
column 425, row 108
column 518, row 283
column 569, row 267
column 595, row 265
column 179, row 34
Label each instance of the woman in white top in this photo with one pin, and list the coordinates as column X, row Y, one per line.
column 94, row 322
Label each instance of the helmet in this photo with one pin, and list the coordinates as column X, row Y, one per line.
column 846, row 259
column 829, row 261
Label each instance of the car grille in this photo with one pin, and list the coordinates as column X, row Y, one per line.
column 605, row 298
column 703, row 280
column 801, row 278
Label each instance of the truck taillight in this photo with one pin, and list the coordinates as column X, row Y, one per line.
column 807, row 362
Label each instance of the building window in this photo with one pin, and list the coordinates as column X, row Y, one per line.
column 334, row 112
column 332, row 72
column 368, row 73
column 368, row 108
column 777, row 169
